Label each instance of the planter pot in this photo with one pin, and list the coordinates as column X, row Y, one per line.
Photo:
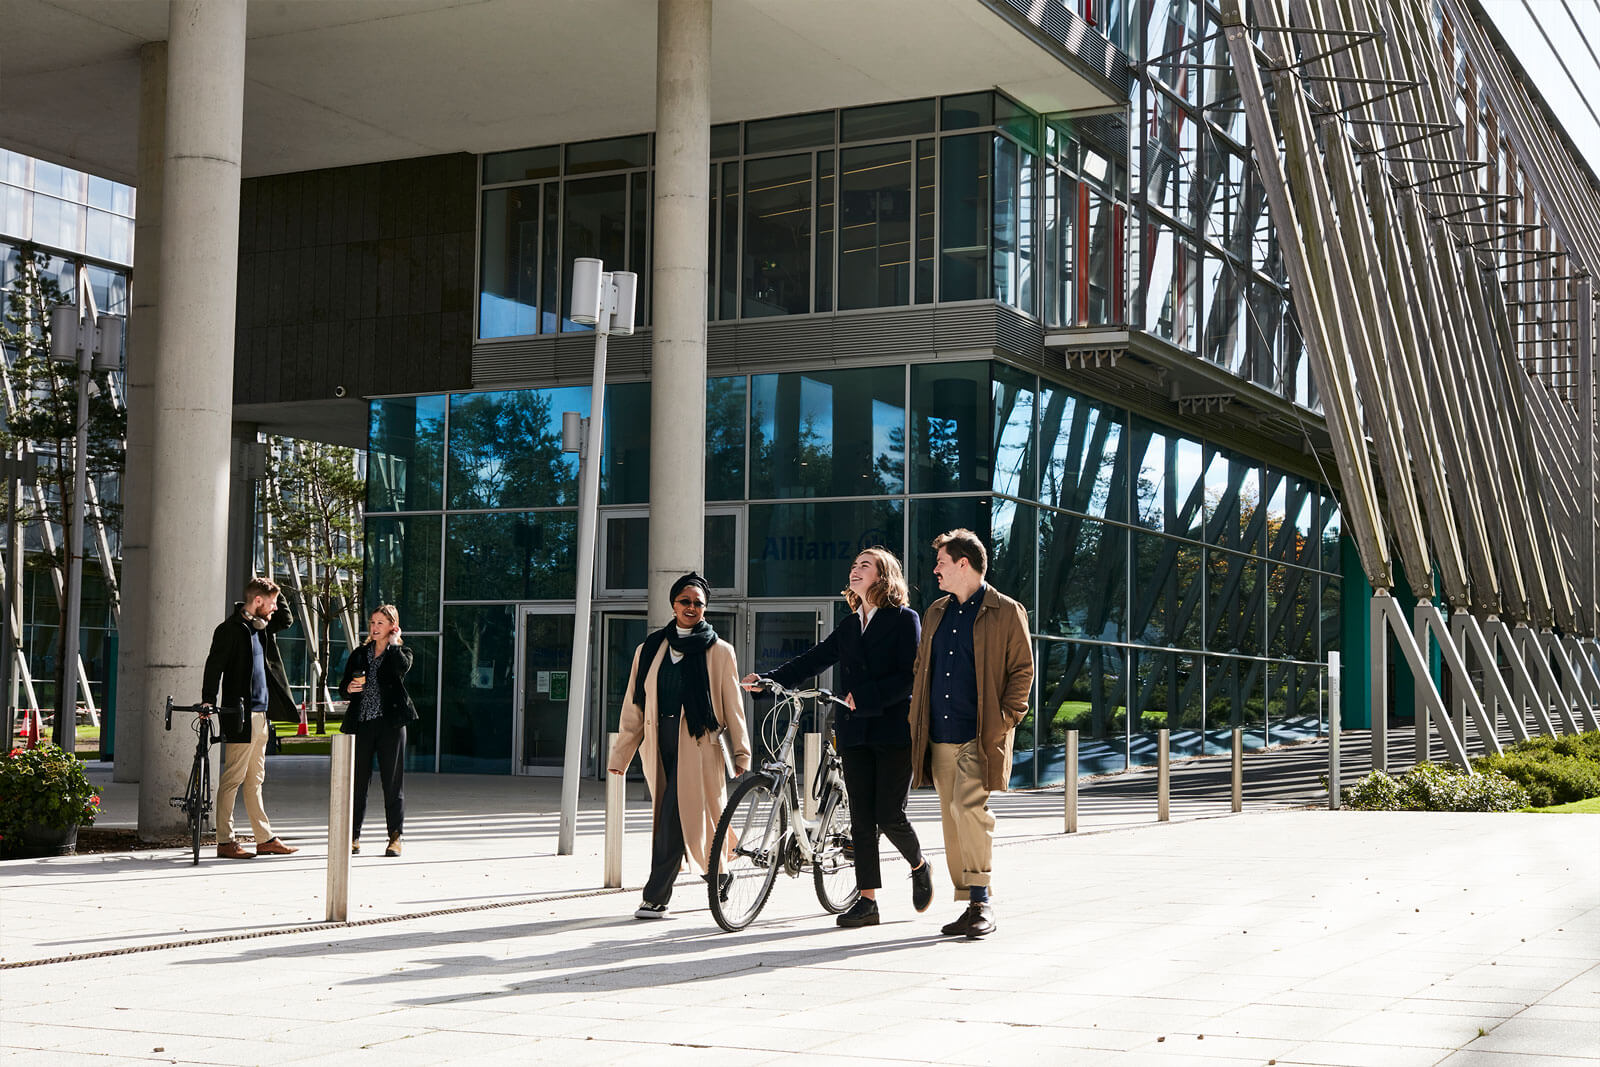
column 46, row 841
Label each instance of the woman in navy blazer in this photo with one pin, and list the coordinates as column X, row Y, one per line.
column 876, row 651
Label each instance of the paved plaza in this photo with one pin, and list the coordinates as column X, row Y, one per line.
column 1285, row 934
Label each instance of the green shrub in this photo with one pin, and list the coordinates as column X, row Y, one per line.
column 1553, row 770
column 46, row 788
column 1435, row 787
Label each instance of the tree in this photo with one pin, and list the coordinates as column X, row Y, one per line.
column 314, row 497
column 41, row 414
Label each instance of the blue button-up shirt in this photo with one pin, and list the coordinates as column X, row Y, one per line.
column 953, row 674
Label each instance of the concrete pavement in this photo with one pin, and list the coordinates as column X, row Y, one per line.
column 1284, row 934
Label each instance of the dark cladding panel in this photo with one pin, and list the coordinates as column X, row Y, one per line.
column 358, row 277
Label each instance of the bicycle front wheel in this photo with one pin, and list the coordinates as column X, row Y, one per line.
column 191, row 807
column 747, row 852
column 833, row 867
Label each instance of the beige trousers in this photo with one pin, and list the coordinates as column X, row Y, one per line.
column 245, row 765
column 964, row 809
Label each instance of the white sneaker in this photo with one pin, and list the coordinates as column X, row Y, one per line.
column 647, row 910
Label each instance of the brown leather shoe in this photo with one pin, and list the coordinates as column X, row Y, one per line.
column 230, row 850
column 275, row 847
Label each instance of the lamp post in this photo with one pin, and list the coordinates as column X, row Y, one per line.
column 605, row 301
column 92, row 341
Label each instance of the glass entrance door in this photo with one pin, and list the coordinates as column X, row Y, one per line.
column 543, row 684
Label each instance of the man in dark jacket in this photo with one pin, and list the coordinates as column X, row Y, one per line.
column 973, row 679
column 244, row 659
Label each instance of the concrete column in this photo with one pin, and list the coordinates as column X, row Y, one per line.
column 142, row 326
column 678, row 295
column 191, row 388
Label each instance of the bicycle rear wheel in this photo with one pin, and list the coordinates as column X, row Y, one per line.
column 833, row 869
column 747, row 852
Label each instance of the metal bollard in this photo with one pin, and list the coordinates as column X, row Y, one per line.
column 1238, row 769
column 1163, row 777
column 1071, row 790
column 808, row 803
column 341, row 774
column 616, row 812
column 1334, row 715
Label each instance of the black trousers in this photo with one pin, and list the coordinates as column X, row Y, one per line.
column 388, row 743
column 666, row 832
column 878, row 781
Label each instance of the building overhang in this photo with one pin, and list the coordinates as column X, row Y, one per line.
column 342, row 82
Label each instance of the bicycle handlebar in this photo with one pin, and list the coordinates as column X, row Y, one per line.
column 198, row 709
column 823, row 695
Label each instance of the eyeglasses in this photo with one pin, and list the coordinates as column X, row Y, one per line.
column 685, row 602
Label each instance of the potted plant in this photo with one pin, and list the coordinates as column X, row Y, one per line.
column 44, row 797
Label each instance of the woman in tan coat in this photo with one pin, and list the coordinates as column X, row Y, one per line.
column 683, row 691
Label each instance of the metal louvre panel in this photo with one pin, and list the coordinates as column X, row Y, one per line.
column 1075, row 35
column 566, row 359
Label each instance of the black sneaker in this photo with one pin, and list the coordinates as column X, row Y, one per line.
column 724, row 883
column 922, row 887
column 647, row 910
column 864, row 912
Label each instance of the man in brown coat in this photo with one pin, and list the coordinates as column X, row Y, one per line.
column 973, row 678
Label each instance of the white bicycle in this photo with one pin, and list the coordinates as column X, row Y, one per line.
column 763, row 829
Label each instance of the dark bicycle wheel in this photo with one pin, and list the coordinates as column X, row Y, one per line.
column 747, row 852
column 191, row 804
column 833, row 867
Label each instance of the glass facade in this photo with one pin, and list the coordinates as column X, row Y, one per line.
column 1170, row 582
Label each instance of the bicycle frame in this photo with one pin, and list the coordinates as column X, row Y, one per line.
column 786, row 775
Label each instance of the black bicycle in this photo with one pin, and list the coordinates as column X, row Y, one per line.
column 196, row 800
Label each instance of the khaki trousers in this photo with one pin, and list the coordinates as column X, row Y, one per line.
column 245, row 765
column 964, row 809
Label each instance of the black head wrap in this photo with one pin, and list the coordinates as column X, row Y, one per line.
column 692, row 646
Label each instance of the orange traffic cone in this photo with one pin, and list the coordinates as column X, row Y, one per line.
column 33, row 728
column 300, row 731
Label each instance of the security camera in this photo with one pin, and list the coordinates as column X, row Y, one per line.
column 338, row 391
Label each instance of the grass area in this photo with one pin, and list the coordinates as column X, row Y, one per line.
column 1590, row 806
column 313, row 744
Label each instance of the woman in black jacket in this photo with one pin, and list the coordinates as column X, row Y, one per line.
column 876, row 651
column 375, row 685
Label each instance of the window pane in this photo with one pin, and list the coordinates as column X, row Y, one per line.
column 1004, row 262
column 1166, row 592
column 827, row 433
column 1008, row 530
column 886, row 120
column 964, row 217
column 951, row 436
column 1082, row 453
column 929, row 519
column 1235, row 697
column 806, row 549
column 1233, row 602
column 728, row 259
column 1015, row 469
column 1168, row 493
column 596, row 226
column 875, row 210
column 509, row 302
column 1233, row 498
column 522, row 556
column 792, row 131
column 725, row 140
column 402, row 568
column 627, row 562
column 625, row 452
column 519, row 166
column 777, row 235
column 405, row 454
column 422, row 685
column 1082, row 582
column 479, row 689
column 825, row 231
column 505, row 448
column 1081, row 688
column 965, row 112
column 618, row 153
column 722, row 551
column 925, row 213
column 1166, row 696
column 1330, row 536
column 725, row 423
